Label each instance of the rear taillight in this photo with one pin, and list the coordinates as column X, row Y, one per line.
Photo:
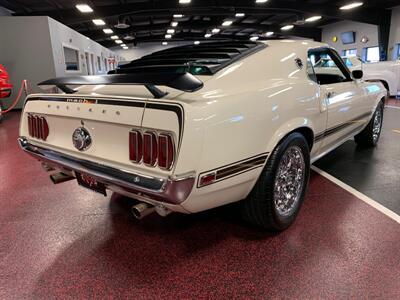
column 38, row 127
column 135, row 146
column 152, row 149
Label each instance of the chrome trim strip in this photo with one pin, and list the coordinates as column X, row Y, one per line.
column 173, row 191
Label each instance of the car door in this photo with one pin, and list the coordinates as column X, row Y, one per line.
column 341, row 96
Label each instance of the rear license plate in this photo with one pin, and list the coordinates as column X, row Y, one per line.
column 90, row 183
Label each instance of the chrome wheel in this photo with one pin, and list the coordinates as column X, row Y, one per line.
column 376, row 129
column 289, row 180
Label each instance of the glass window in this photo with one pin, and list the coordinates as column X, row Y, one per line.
column 310, row 70
column 99, row 63
column 326, row 67
column 71, row 58
column 349, row 52
column 371, row 54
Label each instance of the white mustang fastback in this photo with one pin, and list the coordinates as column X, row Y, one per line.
column 195, row 127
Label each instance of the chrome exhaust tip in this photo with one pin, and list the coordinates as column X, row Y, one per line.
column 142, row 210
column 60, row 178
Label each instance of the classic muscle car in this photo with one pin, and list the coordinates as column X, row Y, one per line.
column 5, row 87
column 195, row 127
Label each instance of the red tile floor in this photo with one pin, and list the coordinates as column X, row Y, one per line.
column 63, row 242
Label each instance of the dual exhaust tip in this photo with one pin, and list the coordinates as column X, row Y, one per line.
column 139, row 211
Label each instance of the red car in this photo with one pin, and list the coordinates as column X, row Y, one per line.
column 5, row 84
column 5, row 87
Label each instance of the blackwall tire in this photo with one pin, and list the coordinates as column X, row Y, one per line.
column 276, row 198
column 369, row 137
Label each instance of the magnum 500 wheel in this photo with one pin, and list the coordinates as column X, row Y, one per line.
column 370, row 135
column 279, row 192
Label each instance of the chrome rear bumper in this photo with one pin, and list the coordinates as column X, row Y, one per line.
column 172, row 191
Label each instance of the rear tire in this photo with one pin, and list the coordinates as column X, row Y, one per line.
column 279, row 192
column 369, row 137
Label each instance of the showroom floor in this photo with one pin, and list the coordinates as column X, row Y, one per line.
column 65, row 242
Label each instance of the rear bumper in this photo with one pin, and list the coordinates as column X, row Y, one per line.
column 171, row 191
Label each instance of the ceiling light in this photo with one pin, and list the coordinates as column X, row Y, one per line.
column 125, row 48
column 168, row 36
column 123, row 45
column 254, row 38
column 178, row 16
column 174, row 24
column 185, row 1
column 287, row 27
column 261, row 1
column 351, row 5
column 99, row 22
column 227, row 23
column 118, row 41
column 171, row 31
column 216, row 30
column 108, row 31
column 240, row 15
column 313, row 19
column 115, row 37
column 269, row 33
column 196, row 42
column 207, row 35
column 165, row 43
column 84, row 8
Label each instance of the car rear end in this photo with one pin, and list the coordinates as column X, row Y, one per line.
column 5, row 84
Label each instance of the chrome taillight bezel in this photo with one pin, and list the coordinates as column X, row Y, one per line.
column 38, row 127
column 150, row 133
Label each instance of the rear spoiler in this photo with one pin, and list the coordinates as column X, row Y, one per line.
column 182, row 81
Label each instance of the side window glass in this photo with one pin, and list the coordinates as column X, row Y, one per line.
column 325, row 68
column 310, row 71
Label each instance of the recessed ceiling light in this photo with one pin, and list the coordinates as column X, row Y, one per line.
column 254, row 38
column 185, row 1
column 108, row 31
column 165, row 43
column 207, row 35
column 227, row 23
column 178, row 16
column 287, row 27
column 123, row 45
column 261, row 1
column 99, row 22
column 115, row 37
column 168, row 36
column 84, row 8
column 269, row 33
column 174, row 24
column 171, row 31
column 125, row 48
column 216, row 30
column 351, row 5
column 240, row 15
column 118, row 41
column 196, row 42
column 313, row 19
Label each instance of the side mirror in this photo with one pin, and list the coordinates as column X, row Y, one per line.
column 357, row 74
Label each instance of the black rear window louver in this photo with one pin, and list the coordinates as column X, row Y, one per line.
column 203, row 59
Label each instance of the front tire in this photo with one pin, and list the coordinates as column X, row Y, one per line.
column 279, row 192
column 369, row 137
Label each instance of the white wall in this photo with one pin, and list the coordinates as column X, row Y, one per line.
column 62, row 35
column 361, row 29
column 394, row 39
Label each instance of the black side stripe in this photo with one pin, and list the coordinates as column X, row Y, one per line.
column 339, row 127
column 237, row 168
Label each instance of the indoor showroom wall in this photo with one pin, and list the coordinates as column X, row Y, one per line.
column 361, row 29
column 32, row 48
